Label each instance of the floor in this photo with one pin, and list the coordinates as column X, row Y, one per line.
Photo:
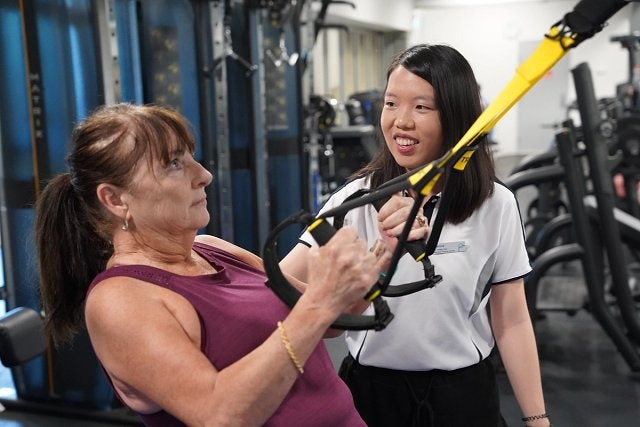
column 22, row 418
column 586, row 382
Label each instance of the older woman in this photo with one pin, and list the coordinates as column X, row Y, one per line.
column 182, row 323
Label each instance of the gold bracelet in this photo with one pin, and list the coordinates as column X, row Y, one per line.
column 287, row 344
column 535, row 417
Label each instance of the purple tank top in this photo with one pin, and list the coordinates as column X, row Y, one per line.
column 237, row 313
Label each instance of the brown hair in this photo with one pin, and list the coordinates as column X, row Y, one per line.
column 72, row 229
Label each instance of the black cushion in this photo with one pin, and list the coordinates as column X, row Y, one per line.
column 21, row 336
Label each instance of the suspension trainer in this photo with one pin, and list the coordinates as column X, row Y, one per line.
column 586, row 19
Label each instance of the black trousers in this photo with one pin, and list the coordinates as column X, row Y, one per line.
column 390, row 398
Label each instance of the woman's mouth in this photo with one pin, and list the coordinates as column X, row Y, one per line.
column 405, row 142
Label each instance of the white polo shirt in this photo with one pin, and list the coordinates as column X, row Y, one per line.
column 445, row 327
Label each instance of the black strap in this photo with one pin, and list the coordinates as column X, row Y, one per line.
column 429, row 207
column 290, row 295
column 417, row 248
column 441, row 216
column 338, row 220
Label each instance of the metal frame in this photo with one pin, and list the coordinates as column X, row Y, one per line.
column 222, row 167
column 107, row 43
column 260, row 153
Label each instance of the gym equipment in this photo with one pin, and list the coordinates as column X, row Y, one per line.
column 629, row 92
column 352, row 147
column 620, row 124
column 598, row 156
column 597, row 224
column 290, row 295
column 38, row 106
column 546, row 206
column 320, row 117
column 625, row 122
column 370, row 103
column 587, row 248
column 21, row 336
column 531, row 161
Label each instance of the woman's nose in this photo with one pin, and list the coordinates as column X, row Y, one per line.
column 403, row 120
column 203, row 177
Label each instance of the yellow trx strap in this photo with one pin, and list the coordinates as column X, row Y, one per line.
column 548, row 53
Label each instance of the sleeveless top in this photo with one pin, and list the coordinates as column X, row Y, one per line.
column 238, row 313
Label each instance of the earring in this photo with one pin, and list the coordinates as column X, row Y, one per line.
column 125, row 225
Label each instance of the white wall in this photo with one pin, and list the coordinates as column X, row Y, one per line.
column 488, row 36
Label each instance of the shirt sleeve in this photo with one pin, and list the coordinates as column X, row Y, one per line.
column 512, row 257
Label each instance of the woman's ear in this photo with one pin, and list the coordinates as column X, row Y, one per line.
column 111, row 198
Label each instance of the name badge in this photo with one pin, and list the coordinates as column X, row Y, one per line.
column 450, row 247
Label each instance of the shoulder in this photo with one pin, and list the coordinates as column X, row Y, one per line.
column 241, row 253
column 501, row 189
column 501, row 204
column 130, row 322
column 118, row 302
column 502, row 195
column 363, row 183
column 123, row 296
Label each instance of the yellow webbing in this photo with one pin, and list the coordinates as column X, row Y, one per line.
column 552, row 48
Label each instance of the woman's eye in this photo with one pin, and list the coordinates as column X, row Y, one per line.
column 427, row 107
column 175, row 163
column 389, row 104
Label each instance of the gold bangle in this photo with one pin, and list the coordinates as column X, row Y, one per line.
column 535, row 417
column 287, row 345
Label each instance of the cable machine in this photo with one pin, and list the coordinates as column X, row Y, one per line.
column 51, row 86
